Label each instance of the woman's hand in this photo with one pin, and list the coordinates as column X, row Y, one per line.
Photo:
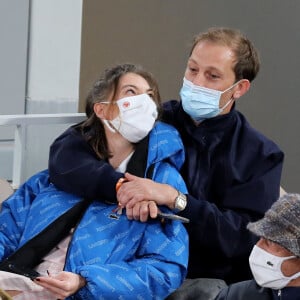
column 61, row 285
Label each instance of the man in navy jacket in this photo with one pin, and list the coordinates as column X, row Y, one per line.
column 231, row 170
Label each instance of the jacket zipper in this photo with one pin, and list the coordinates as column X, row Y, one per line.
column 279, row 294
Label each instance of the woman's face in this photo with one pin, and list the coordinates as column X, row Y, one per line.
column 130, row 84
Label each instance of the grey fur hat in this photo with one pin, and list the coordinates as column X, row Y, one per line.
column 281, row 223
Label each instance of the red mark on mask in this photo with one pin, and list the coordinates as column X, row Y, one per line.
column 126, row 104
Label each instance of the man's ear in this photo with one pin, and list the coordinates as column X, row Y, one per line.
column 99, row 110
column 241, row 88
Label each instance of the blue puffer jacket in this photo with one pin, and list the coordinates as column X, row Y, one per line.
column 120, row 259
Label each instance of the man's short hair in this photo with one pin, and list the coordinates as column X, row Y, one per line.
column 247, row 62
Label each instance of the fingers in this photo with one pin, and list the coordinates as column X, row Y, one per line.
column 153, row 209
column 142, row 210
column 130, row 177
column 138, row 189
column 134, row 191
column 130, row 193
column 62, row 285
column 51, row 285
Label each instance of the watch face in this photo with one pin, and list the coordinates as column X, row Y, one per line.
column 180, row 202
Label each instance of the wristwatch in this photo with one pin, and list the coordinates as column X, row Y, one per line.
column 180, row 202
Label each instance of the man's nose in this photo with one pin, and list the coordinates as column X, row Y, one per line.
column 199, row 79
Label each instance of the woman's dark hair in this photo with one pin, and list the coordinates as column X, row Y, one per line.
column 92, row 128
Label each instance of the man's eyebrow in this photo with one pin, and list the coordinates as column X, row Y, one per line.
column 208, row 67
column 192, row 60
column 212, row 68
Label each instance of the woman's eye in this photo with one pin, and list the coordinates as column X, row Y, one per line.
column 130, row 92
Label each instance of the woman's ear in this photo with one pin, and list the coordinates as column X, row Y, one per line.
column 241, row 88
column 99, row 110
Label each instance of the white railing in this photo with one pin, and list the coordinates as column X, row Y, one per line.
column 21, row 122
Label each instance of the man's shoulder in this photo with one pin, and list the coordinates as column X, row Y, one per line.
column 252, row 135
column 171, row 111
column 171, row 104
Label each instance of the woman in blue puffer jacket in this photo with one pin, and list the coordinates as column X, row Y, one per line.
column 106, row 256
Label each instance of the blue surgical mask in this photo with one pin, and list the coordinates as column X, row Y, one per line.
column 201, row 103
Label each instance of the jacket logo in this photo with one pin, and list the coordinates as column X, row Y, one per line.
column 114, row 216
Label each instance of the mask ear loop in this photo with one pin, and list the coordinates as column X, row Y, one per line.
column 231, row 87
column 109, row 126
column 108, row 123
column 228, row 102
column 231, row 99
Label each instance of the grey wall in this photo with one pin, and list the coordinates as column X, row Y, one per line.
column 158, row 33
column 13, row 58
column 13, row 67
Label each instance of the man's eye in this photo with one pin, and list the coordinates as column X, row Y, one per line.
column 193, row 70
column 151, row 95
column 213, row 76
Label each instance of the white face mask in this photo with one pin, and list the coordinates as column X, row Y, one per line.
column 136, row 118
column 200, row 102
column 266, row 269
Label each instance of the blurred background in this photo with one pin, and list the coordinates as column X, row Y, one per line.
column 53, row 50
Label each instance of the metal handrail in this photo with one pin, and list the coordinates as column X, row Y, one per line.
column 21, row 122
column 31, row 119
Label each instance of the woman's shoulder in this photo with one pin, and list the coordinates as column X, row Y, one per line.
column 165, row 142
column 163, row 133
column 163, row 127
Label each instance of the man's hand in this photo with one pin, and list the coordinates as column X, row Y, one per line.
column 140, row 197
column 142, row 210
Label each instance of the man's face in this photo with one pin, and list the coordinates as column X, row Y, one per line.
column 288, row 267
column 211, row 65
